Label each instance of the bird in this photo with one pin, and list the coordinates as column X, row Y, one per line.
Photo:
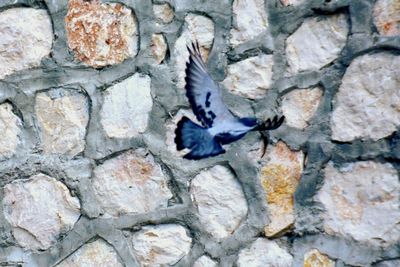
column 219, row 126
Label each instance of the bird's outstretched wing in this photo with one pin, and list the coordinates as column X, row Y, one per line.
column 203, row 93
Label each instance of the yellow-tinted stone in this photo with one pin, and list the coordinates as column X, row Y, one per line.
column 314, row 258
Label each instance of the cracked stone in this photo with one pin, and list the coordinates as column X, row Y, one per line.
column 159, row 47
column 314, row 258
column 161, row 245
column 205, row 261
column 26, row 36
column 39, row 210
column 163, row 13
column 316, row 43
column 368, row 101
column 10, row 128
column 387, row 17
column 130, row 183
column 101, row 34
column 219, row 201
column 126, row 107
column 367, row 209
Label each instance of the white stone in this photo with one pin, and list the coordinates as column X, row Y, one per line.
column 368, row 101
column 197, row 28
column 159, row 47
column 292, row 2
column 299, row 106
column 387, row 17
column 93, row 254
column 316, row 43
column 249, row 20
column 219, row 201
column 26, row 36
column 63, row 116
column 362, row 202
column 251, row 77
column 130, row 183
column 163, row 12
column 162, row 245
column 205, row 261
column 39, row 210
column 264, row 253
column 10, row 129
column 126, row 107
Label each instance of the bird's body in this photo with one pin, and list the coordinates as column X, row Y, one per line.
column 219, row 125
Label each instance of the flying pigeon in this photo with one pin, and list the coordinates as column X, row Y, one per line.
column 219, row 126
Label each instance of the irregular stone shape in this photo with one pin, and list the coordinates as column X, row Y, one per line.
column 163, row 12
column 63, row 116
column 101, row 34
column 126, row 107
column 39, row 210
column 292, row 2
column 204, row 261
column 314, row 258
column 130, row 183
column 94, row 254
column 249, row 20
column 299, row 106
column 26, row 36
column 387, row 17
column 264, row 253
column 366, row 209
column 197, row 28
column 10, row 129
column 389, row 263
column 368, row 100
column 251, row 77
column 316, row 43
column 162, row 245
column 279, row 179
column 219, row 201
column 159, row 47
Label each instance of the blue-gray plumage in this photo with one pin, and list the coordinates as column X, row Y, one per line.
column 219, row 125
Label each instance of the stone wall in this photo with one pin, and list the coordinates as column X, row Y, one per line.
column 90, row 93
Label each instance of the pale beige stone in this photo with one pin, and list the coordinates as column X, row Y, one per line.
column 39, row 210
column 219, row 201
column 101, row 34
column 264, row 253
column 249, row 20
column 251, row 77
column 93, row 254
column 292, row 2
column 205, row 261
column 197, row 28
column 163, row 12
column 387, row 17
column 314, row 258
column 316, row 43
column 10, row 129
column 26, row 36
column 158, row 47
column 126, row 107
column 367, row 104
column 162, row 245
column 130, row 183
column 362, row 202
column 63, row 116
column 279, row 178
column 299, row 106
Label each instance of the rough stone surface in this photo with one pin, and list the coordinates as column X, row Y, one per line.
column 264, row 253
column 101, row 34
column 163, row 12
column 366, row 209
column 390, row 263
column 39, row 210
column 10, row 129
column 62, row 116
column 316, row 43
column 197, row 28
column 94, row 254
column 299, row 106
column 26, row 36
column 279, row 178
column 219, row 201
column 204, row 261
column 126, row 107
column 251, row 77
column 292, row 2
column 387, row 17
column 314, row 258
column 162, row 245
column 368, row 102
column 130, row 183
column 159, row 47
column 249, row 20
